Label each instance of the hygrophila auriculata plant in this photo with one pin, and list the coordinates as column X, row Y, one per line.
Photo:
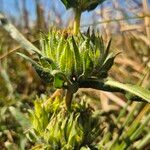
column 71, row 61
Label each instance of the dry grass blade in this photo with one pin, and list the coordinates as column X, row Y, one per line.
column 12, row 50
column 15, row 34
column 116, row 99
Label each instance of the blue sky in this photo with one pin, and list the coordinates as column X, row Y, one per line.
column 10, row 9
column 9, row 6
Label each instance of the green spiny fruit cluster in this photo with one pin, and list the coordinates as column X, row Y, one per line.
column 77, row 57
column 57, row 128
column 67, row 59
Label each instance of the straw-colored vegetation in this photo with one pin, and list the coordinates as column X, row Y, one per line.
column 76, row 88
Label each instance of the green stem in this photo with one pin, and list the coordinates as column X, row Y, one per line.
column 76, row 26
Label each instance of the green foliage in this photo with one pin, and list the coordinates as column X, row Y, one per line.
column 131, row 90
column 4, row 72
column 59, row 128
column 90, row 63
column 82, row 5
column 20, row 117
column 71, row 62
column 77, row 57
column 126, row 133
column 54, row 127
column 80, row 61
column 13, row 123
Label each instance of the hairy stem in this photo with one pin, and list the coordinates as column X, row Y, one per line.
column 76, row 26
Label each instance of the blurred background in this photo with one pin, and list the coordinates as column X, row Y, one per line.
column 126, row 21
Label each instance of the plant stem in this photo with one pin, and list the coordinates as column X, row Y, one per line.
column 68, row 98
column 76, row 26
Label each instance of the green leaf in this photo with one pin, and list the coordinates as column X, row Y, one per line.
column 92, row 4
column 31, row 135
column 42, row 72
column 48, row 63
column 69, row 3
column 100, row 44
column 83, row 5
column 87, row 64
column 135, row 90
column 66, row 60
column 107, row 50
column 103, row 71
column 78, row 62
column 60, row 48
column 20, row 117
column 59, row 78
column 140, row 129
column 58, row 81
column 16, row 35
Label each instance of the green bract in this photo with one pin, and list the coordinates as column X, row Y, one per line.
column 58, row 128
column 71, row 59
column 81, row 61
column 82, row 5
